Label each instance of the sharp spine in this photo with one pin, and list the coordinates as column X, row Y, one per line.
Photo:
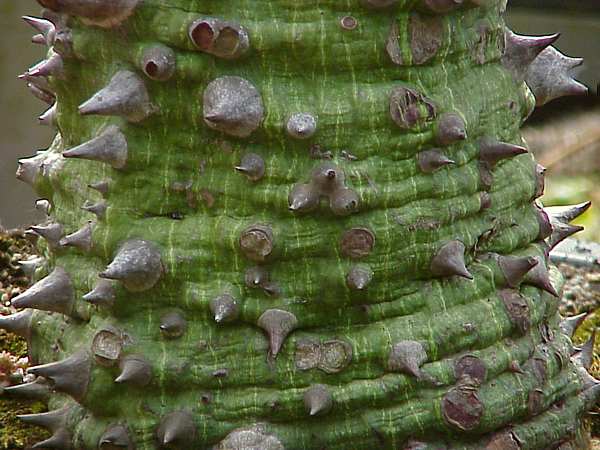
column 115, row 436
column 41, row 94
column 520, row 51
column 253, row 166
column 548, row 76
column 318, row 400
column 53, row 66
column 53, row 293
column 277, row 324
column 585, row 355
column 98, row 209
column 515, row 269
column 49, row 117
column 100, row 186
column 492, row 151
column 43, row 26
column 18, row 323
column 432, row 160
column 125, row 96
column 37, row 389
column 51, row 420
column 134, row 370
column 570, row 324
column 450, row 260
column 567, row 214
column 29, row 169
column 61, row 439
column 177, row 428
column 109, row 147
column 539, row 277
column 137, row 265
column 70, row 375
column 52, row 232
column 102, row 294
column 81, row 239
column 224, row 308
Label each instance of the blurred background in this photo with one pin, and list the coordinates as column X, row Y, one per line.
column 565, row 135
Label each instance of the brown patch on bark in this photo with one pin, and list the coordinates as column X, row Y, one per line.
column 462, row 408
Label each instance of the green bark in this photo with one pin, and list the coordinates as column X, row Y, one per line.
column 315, row 228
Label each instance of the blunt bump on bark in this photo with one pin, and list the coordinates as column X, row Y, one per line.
column 233, row 105
column 359, row 278
column 218, row 37
column 93, row 11
column 224, row 308
column 441, row 6
column 158, row 62
column 53, row 293
column 253, row 437
column 409, row 108
column 252, row 165
column 125, row 96
column 450, row 129
column 173, row 325
column 107, row 346
column 256, row 242
column 430, row 161
column 407, row 357
column 137, row 265
column 344, row 201
column 301, row 125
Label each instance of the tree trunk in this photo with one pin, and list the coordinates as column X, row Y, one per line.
column 297, row 224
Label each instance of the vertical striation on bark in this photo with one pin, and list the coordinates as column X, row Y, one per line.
column 298, row 224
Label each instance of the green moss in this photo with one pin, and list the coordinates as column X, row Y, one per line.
column 14, row 434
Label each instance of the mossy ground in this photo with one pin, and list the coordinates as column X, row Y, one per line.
column 14, row 434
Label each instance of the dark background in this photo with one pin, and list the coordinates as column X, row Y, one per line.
column 20, row 135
